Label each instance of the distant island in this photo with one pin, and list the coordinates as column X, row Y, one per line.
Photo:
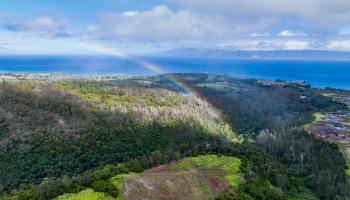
column 268, row 54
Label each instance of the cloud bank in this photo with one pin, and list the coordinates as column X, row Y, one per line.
column 313, row 16
column 207, row 19
column 229, row 24
column 158, row 24
column 46, row 25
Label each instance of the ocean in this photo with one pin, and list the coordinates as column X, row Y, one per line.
column 319, row 73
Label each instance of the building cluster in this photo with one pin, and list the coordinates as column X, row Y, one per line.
column 57, row 76
column 334, row 127
column 283, row 83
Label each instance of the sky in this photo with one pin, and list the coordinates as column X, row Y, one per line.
column 149, row 26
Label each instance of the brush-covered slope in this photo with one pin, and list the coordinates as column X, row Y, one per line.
column 81, row 138
column 66, row 128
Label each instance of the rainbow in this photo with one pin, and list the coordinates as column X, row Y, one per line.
column 212, row 112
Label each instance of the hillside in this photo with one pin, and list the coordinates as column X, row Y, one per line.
column 53, row 129
column 82, row 138
column 191, row 178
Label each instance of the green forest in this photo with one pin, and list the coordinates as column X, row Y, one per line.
column 70, row 136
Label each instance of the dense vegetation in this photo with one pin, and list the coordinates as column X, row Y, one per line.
column 255, row 165
column 67, row 137
column 47, row 132
column 251, row 107
column 321, row 165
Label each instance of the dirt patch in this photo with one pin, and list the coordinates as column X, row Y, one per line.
column 214, row 178
column 203, row 177
column 158, row 169
column 214, row 182
column 168, row 184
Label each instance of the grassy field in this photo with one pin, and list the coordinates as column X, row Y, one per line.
column 318, row 117
column 106, row 97
column 228, row 165
column 119, row 182
column 87, row 194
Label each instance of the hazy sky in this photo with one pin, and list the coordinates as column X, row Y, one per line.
column 141, row 26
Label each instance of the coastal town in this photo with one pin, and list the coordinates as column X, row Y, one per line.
column 59, row 76
column 334, row 127
column 282, row 83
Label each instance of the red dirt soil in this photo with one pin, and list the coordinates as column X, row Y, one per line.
column 213, row 182
column 158, row 169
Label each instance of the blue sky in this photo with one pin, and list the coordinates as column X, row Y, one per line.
column 134, row 26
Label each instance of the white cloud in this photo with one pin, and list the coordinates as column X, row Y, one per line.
column 259, row 35
column 288, row 33
column 129, row 13
column 214, row 21
column 326, row 16
column 46, row 24
column 296, row 45
column 339, row 45
column 25, row 43
column 161, row 24
column 234, row 24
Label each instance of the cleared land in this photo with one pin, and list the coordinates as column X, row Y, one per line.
column 202, row 177
column 334, row 127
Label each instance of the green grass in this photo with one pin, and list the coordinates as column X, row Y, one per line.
column 347, row 123
column 206, row 189
column 118, row 181
column 328, row 94
column 90, row 194
column 343, row 142
column 87, row 194
column 318, row 117
column 229, row 165
column 25, row 85
column 97, row 93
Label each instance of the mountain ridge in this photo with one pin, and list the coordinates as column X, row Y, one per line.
column 258, row 54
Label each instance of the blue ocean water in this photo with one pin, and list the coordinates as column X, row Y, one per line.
column 319, row 73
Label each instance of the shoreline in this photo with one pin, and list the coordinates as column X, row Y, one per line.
column 64, row 76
